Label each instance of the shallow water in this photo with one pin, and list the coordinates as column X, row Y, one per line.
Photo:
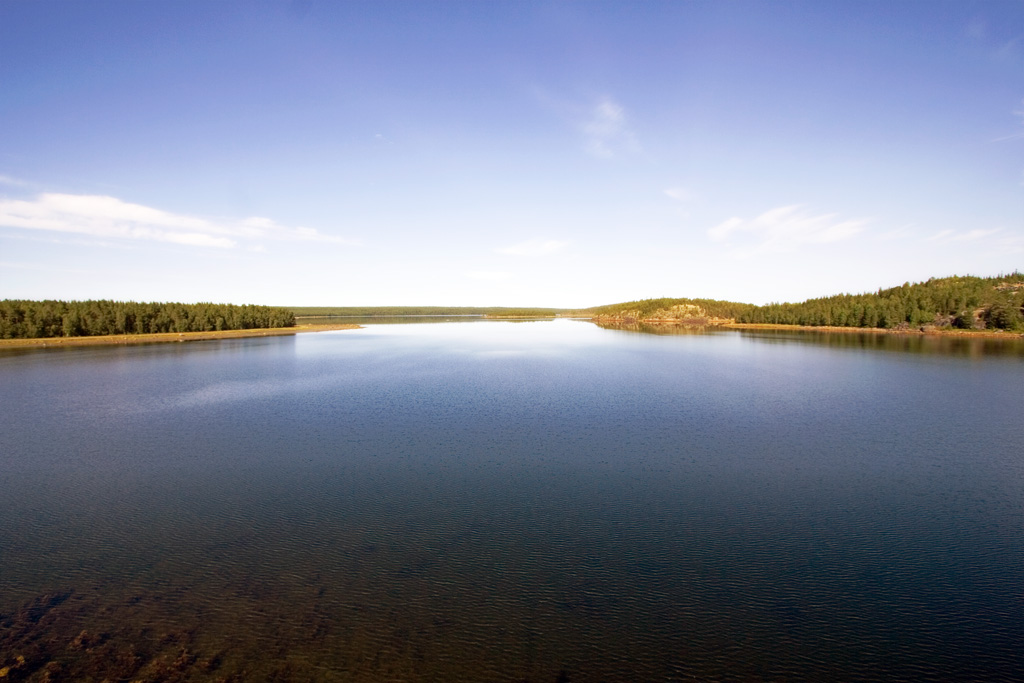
column 512, row 501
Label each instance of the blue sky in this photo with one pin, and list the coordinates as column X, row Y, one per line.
column 506, row 153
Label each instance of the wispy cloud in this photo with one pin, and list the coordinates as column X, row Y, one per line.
column 994, row 240
column 903, row 232
column 948, row 236
column 13, row 182
column 66, row 239
column 488, row 275
column 1009, row 49
column 533, row 248
column 680, row 194
column 1019, row 113
column 785, row 228
column 106, row 217
column 601, row 122
column 606, row 130
column 997, row 38
column 977, row 29
column 44, row 268
column 1010, row 243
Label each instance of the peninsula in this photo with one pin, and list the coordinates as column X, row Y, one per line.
column 958, row 305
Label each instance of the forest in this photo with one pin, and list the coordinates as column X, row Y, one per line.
column 958, row 302
column 30, row 319
column 966, row 302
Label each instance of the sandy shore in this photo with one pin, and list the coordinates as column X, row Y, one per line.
column 116, row 339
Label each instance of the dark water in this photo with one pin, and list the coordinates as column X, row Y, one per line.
column 507, row 502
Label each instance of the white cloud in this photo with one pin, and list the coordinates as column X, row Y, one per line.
column 785, row 228
column 14, row 182
column 993, row 240
column 947, row 236
column 997, row 38
column 680, row 194
column 488, row 275
column 45, row 268
column 721, row 232
column 1011, row 244
column 976, row 234
column 606, row 130
column 108, row 217
column 902, row 232
column 1009, row 48
column 533, row 248
column 1019, row 113
column 977, row 29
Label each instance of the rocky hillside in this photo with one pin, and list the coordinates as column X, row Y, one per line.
column 679, row 311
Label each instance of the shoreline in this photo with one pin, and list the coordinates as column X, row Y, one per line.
column 167, row 337
column 913, row 332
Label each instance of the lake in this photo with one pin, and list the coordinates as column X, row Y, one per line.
column 514, row 501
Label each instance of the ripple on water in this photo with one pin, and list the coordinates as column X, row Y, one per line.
column 436, row 507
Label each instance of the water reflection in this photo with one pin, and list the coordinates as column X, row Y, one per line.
column 510, row 502
column 952, row 345
column 408, row 319
column 388, row 319
column 670, row 330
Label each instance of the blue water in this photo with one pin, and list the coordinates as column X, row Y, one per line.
column 500, row 501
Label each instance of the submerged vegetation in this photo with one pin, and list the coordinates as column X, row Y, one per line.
column 34, row 319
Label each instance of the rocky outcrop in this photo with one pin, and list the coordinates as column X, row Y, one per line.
column 680, row 314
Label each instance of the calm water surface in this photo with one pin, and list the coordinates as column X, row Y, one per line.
column 502, row 501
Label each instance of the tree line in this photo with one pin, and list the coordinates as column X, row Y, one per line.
column 966, row 302
column 960, row 302
column 21, row 319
